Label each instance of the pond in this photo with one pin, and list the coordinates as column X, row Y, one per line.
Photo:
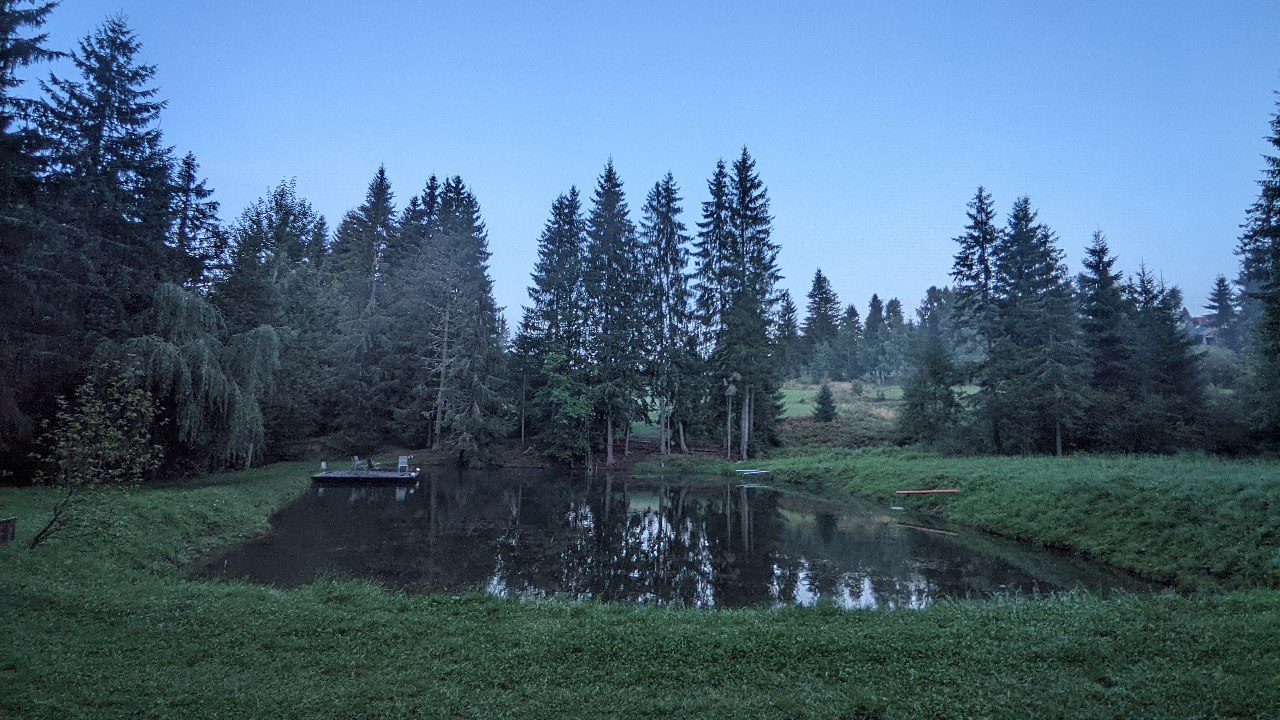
column 618, row 538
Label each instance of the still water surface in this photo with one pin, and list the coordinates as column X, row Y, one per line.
column 624, row 539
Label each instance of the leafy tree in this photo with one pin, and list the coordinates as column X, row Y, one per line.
column 209, row 390
column 566, row 432
column 824, row 405
column 100, row 439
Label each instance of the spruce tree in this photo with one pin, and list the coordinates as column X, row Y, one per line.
column 929, row 405
column 197, row 232
column 1222, row 306
column 18, row 164
column 847, row 353
column 1259, row 252
column 744, row 359
column 1106, row 339
column 110, row 171
column 615, row 293
column 556, row 324
column 823, row 320
column 361, row 242
column 1165, row 389
column 559, row 292
column 665, row 256
column 712, row 254
column 469, row 407
column 1037, row 360
column 824, row 405
column 974, row 273
column 788, row 339
column 37, row 287
column 361, row 386
column 873, row 340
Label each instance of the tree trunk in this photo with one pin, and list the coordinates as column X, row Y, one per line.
column 608, row 440
column 444, row 362
column 662, row 427
column 728, row 427
column 524, row 390
column 683, row 447
column 626, row 442
column 744, row 424
column 1057, row 437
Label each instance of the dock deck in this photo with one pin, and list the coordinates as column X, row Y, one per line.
column 365, row 476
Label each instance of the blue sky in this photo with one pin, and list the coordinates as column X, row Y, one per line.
column 872, row 125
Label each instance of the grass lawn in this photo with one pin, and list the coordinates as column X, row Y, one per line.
column 105, row 626
column 1201, row 522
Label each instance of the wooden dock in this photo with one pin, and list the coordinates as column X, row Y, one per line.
column 369, row 476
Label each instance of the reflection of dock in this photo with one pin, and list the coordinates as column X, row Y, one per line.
column 371, row 476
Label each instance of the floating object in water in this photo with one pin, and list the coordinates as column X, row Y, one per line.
column 926, row 529
column 366, row 476
column 950, row 491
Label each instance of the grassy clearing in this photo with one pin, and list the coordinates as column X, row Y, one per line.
column 1200, row 522
column 104, row 626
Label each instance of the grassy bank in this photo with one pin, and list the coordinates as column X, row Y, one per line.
column 1201, row 522
column 104, row 626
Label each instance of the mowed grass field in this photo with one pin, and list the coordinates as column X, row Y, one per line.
column 103, row 624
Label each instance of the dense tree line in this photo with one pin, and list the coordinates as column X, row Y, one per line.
column 270, row 335
column 273, row 335
column 1019, row 357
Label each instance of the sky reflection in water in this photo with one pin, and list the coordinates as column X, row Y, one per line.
column 619, row 539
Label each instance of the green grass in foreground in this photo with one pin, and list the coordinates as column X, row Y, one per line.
column 1201, row 522
column 105, row 627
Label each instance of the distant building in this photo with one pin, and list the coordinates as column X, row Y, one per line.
column 1201, row 328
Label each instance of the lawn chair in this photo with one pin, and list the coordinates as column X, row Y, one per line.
column 403, row 465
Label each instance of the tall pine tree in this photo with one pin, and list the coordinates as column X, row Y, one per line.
column 615, row 293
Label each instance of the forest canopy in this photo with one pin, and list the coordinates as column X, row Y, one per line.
column 273, row 334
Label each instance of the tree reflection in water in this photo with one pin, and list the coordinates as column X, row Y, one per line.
column 618, row 539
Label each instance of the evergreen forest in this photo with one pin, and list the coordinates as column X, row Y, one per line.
column 251, row 335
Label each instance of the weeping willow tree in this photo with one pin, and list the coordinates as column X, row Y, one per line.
column 209, row 385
